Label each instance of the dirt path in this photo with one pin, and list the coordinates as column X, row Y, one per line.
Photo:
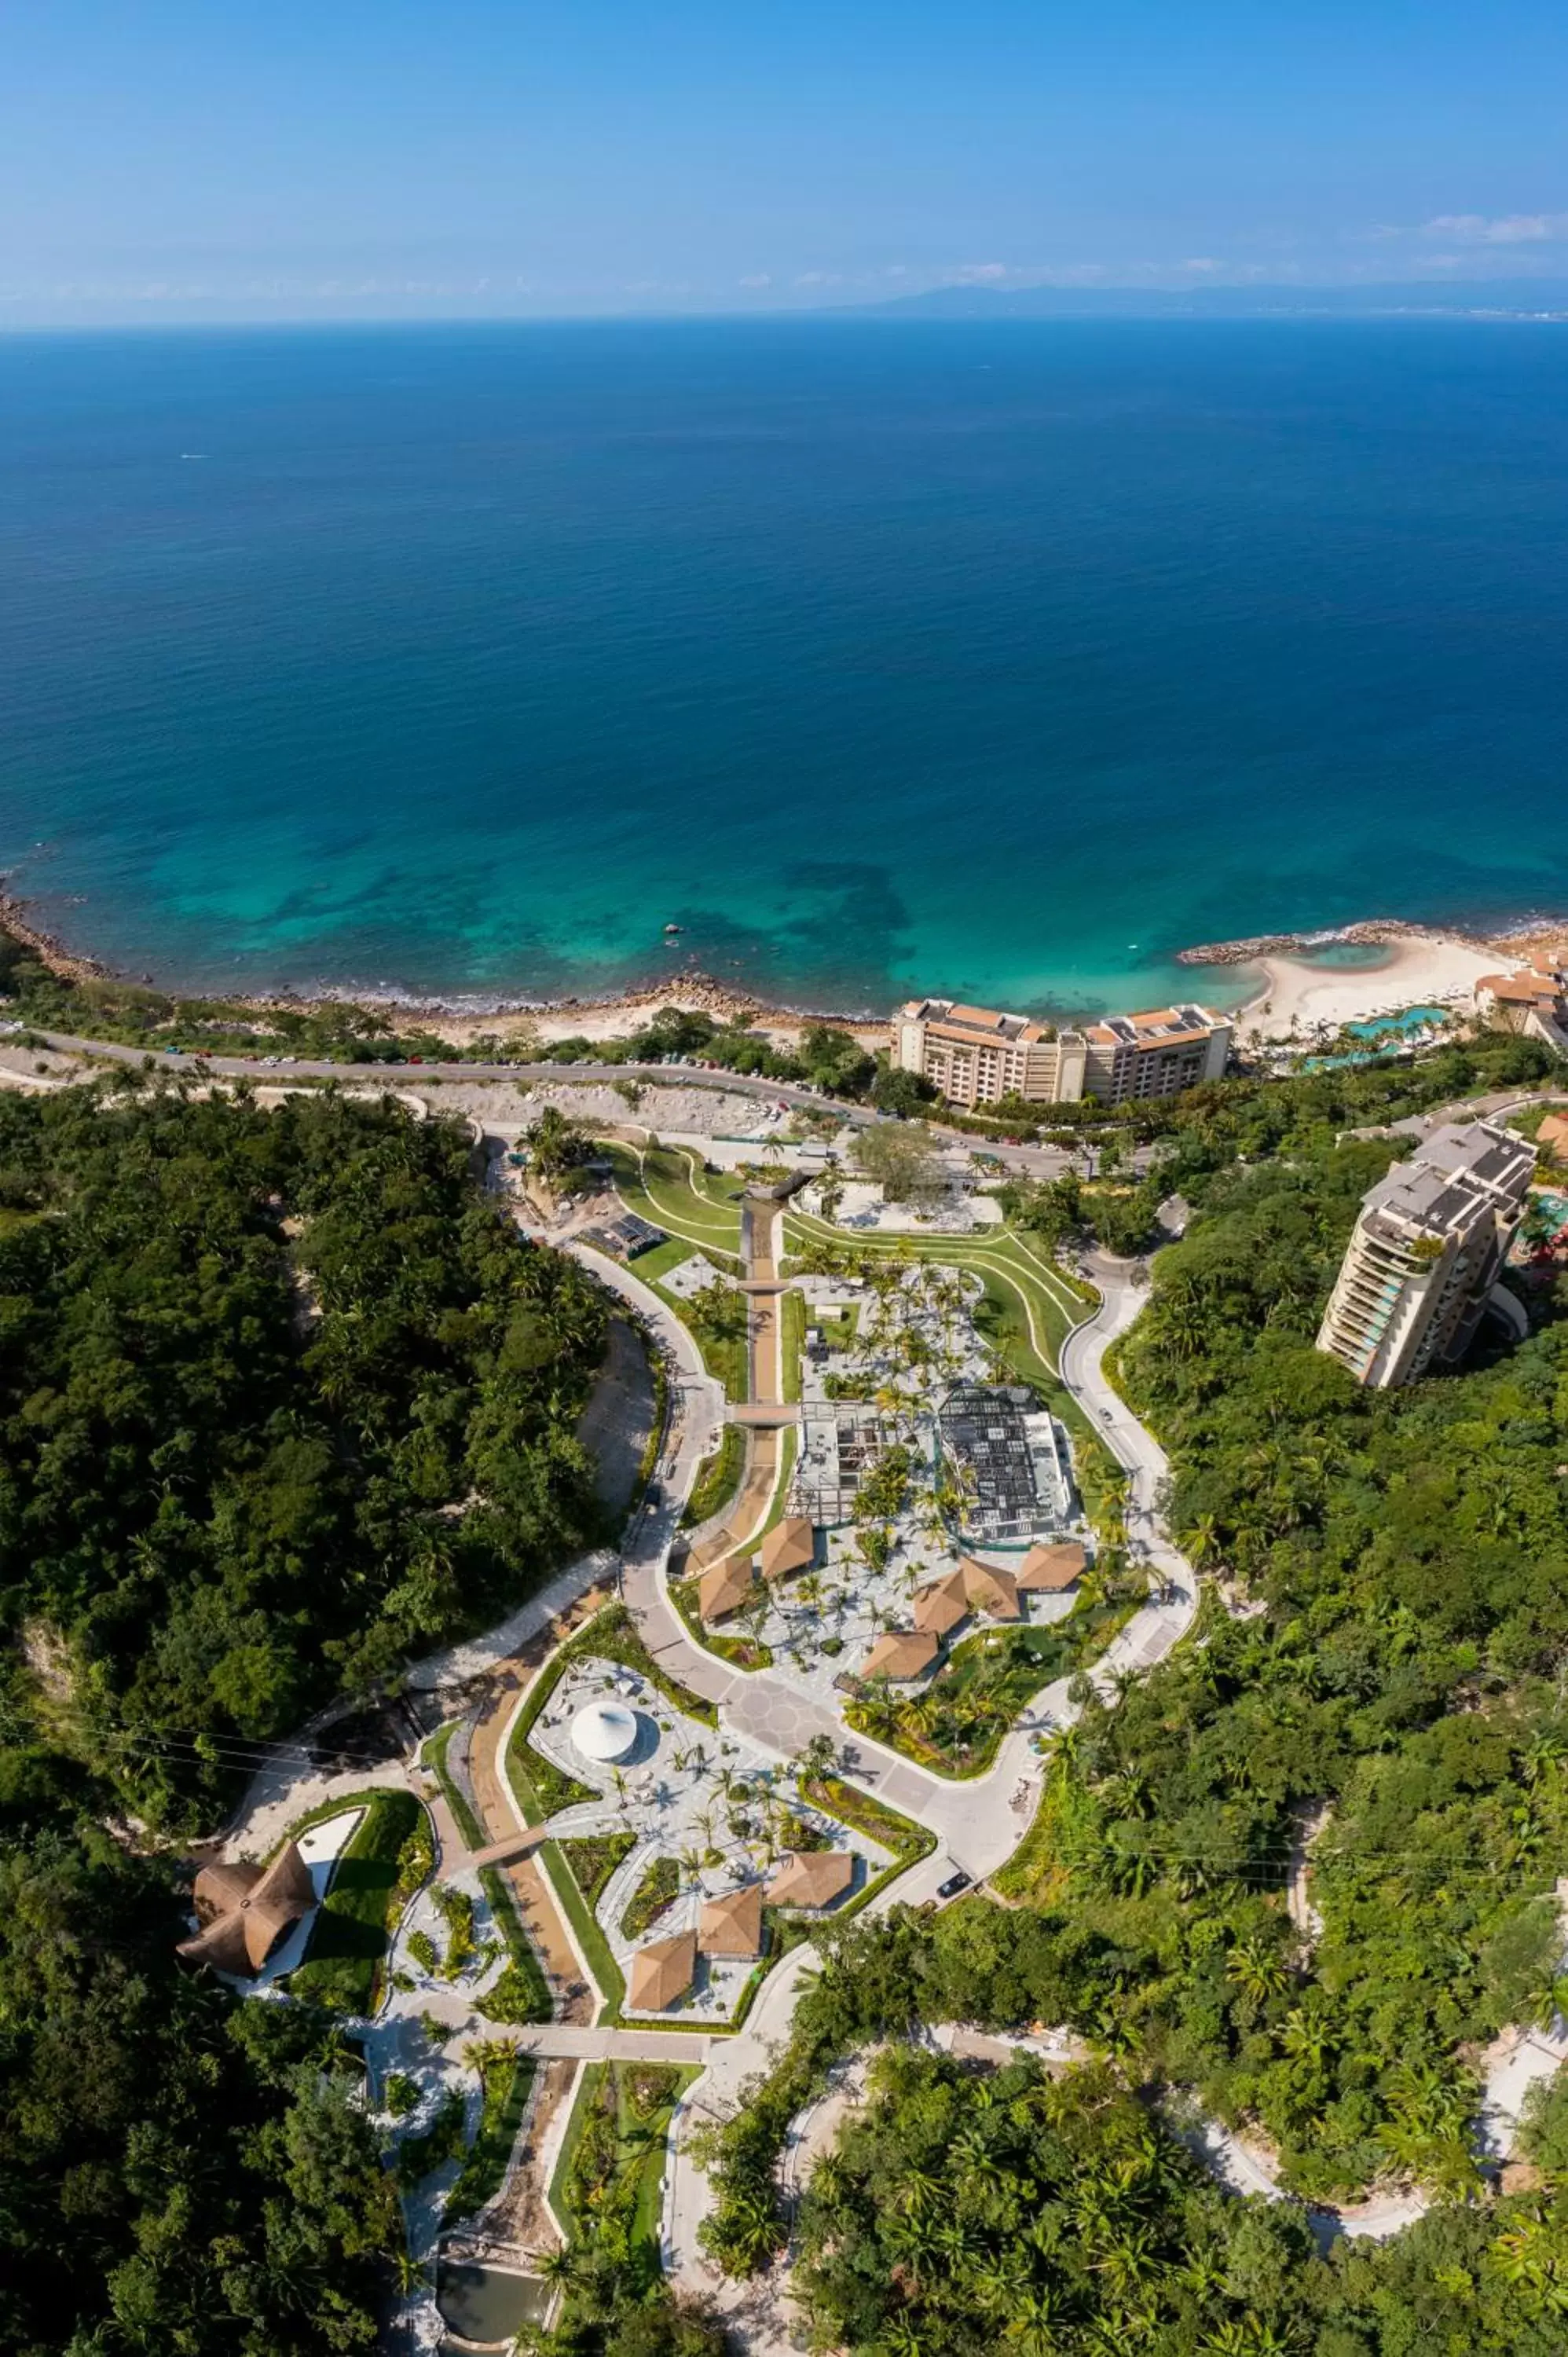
column 522, row 2216
column 574, row 1999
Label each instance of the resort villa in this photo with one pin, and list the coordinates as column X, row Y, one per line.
column 975, row 1055
column 1534, row 1001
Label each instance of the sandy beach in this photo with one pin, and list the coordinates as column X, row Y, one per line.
column 1297, row 998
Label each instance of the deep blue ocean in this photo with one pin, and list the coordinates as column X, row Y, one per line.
column 1003, row 659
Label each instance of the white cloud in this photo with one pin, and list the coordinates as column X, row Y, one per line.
column 1501, row 229
column 979, row 273
column 1201, row 262
column 756, row 278
column 819, row 278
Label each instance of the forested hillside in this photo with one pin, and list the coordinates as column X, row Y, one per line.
column 1400, row 1564
column 966, row 2209
column 280, row 1398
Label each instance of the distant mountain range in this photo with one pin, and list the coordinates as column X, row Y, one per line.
column 1512, row 297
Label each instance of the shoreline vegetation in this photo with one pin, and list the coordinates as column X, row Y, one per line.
column 1429, row 960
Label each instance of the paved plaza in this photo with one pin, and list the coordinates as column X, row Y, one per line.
column 721, row 1809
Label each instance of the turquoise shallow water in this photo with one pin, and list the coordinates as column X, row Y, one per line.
column 1000, row 660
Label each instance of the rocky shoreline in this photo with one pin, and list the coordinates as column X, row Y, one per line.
column 705, row 994
column 690, row 988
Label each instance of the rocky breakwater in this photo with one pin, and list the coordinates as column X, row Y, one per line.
column 1370, row 932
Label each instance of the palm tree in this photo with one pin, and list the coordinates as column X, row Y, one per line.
column 753, row 2231
column 1257, row 1969
column 411, row 2274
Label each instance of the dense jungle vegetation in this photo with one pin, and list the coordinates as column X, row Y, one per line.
column 180, row 2171
column 966, row 2207
column 1395, row 1680
column 281, row 1399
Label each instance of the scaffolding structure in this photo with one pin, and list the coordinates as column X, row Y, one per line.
column 987, row 1443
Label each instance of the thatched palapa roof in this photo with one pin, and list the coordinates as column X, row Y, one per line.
column 811, row 1878
column 790, row 1545
column 938, row 1608
column 244, row 1911
column 731, row 1923
column 900, row 1655
column 1047, row 1570
column 995, row 1592
column 724, row 1586
column 661, row 1972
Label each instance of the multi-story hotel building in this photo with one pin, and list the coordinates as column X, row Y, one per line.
column 1428, row 1243
column 976, row 1056
column 1153, row 1055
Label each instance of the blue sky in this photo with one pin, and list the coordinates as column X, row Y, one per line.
column 196, row 159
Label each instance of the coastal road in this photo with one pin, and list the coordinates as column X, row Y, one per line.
column 1033, row 1161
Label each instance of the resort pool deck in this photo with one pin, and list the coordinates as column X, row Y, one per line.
column 1411, row 1019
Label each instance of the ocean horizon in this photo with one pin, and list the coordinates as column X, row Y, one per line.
column 999, row 660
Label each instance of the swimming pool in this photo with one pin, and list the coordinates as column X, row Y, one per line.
column 1414, row 1019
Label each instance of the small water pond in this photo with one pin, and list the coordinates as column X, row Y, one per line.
column 487, row 2304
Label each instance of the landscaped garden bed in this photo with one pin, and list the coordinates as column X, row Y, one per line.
column 593, row 1860
column 655, row 1894
column 955, row 1723
column 719, row 1479
column 381, row 1868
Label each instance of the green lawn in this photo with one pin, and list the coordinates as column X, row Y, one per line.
column 613, row 2158
column 792, row 1338
column 788, row 1447
column 348, row 1938
column 668, row 1185
column 725, row 1356
column 658, row 1263
column 1029, row 1306
column 607, row 1975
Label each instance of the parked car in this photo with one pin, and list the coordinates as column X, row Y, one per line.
column 958, row 1880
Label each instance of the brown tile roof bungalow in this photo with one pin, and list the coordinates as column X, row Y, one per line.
column 995, row 1592
column 811, row 1878
column 790, row 1545
column 938, row 1608
column 900, row 1655
column 724, row 1586
column 1524, row 989
column 1047, row 1570
column 661, row 1972
column 244, row 1911
column 731, row 1923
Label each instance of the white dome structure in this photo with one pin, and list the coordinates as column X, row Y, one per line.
column 604, row 1731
